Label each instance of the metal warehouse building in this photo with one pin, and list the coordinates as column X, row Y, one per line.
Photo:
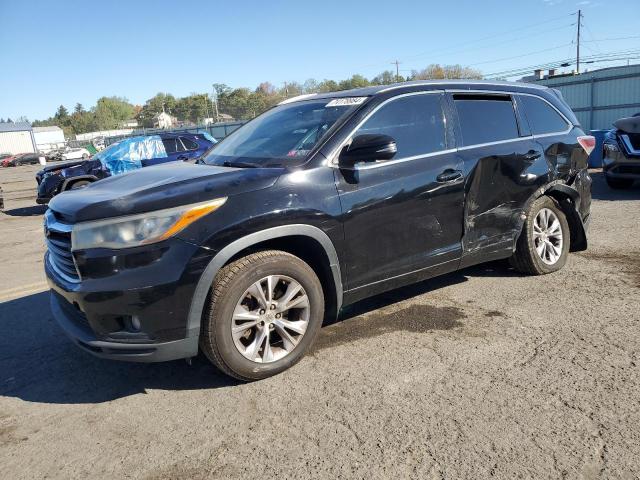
column 602, row 96
column 16, row 138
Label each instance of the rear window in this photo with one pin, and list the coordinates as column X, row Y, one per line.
column 541, row 116
column 485, row 119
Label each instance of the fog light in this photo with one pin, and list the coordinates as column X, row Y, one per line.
column 135, row 322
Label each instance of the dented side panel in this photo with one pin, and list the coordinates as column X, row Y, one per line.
column 500, row 178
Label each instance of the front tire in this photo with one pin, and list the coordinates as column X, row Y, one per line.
column 79, row 184
column 543, row 245
column 264, row 312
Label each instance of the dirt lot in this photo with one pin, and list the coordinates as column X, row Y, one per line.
column 475, row 374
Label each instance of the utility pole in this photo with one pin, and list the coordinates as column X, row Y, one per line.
column 578, row 42
column 215, row 101
column 397, row 64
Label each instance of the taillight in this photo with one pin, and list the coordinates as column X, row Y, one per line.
column 588, row 142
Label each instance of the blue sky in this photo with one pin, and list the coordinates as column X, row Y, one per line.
column 64, row 52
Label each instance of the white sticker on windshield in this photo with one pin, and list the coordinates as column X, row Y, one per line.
column 341, row 102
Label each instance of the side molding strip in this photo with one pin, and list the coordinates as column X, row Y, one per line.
column 204, row 284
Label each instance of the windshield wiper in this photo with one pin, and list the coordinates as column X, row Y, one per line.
column 232, row 164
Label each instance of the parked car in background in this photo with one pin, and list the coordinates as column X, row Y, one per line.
column 54, row 155
column 5, row 155
column 21, row 159
column 621, row 153
column 129, row 154
column 75, row 153
column 317, row 203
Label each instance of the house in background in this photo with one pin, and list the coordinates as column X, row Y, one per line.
column 164, row 120
column 16, row 138
column 48, row 138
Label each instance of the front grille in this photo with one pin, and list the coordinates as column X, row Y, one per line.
column 58, row 238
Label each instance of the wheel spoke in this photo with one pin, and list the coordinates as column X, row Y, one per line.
column 253, row 350
column 288, row 341
column 272, row 280
column 297, row 326
column 540, row 248
column 241, row 313
column 256, row 292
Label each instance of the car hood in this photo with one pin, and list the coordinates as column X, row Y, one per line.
column 60, row 165
column 159, row 187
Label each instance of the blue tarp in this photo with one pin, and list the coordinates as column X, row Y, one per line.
column 128, row 154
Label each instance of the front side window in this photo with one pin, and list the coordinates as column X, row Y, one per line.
column 415, row 122
column 541, row 116
column 486, row 118
column 282, row 136
column 189, row 144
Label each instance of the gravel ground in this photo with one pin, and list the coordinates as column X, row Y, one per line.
column 475, row 374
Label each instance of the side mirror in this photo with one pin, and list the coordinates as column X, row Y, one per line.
column 368, row 148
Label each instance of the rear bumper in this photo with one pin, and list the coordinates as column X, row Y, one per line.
column 75, row 326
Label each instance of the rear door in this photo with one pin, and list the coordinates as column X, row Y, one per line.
column 403, row 215
column 503, row 166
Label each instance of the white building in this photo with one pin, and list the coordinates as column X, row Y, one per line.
column 87, row 137
column 164, row 120
column 16, row 138
column 48, row 138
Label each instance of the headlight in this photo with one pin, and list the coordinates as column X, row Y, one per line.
column 142, row 229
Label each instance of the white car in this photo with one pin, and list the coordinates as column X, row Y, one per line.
column 76, row 153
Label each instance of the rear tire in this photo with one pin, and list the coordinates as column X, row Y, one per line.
column 619, row 183
column 256, row 315
column 543, row 245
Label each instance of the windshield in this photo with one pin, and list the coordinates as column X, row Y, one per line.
column 282, row 136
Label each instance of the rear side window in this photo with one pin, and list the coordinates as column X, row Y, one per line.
column 170, row 145
column 416, row 122
column 485, row 119
column 189, row 144
column 541, row 116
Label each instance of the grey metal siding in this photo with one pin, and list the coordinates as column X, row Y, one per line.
column 600, row 97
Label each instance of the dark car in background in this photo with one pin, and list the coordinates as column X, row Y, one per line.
column 621, row 153
column 129, row 154
column 317, row 203
column 21, row 159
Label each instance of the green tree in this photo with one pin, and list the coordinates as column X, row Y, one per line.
column 110, row 112
column 61, row 114
column 78, row 108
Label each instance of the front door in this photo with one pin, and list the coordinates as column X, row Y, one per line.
column 403, row 215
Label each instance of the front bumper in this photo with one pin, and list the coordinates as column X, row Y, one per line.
column 98, row 313
column 74, row 324
column 620, row 166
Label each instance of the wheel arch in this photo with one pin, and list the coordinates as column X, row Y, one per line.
column 72, row 180
column 305, row 241
column 568, row 199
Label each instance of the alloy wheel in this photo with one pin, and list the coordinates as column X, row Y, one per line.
column 270, row 319
column 547, row 236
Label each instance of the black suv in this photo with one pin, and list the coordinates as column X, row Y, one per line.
column 321, row 201
column 621, row 153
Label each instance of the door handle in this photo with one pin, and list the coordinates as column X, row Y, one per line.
column 449, row 175
column 183, row 157
column 532, row 155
